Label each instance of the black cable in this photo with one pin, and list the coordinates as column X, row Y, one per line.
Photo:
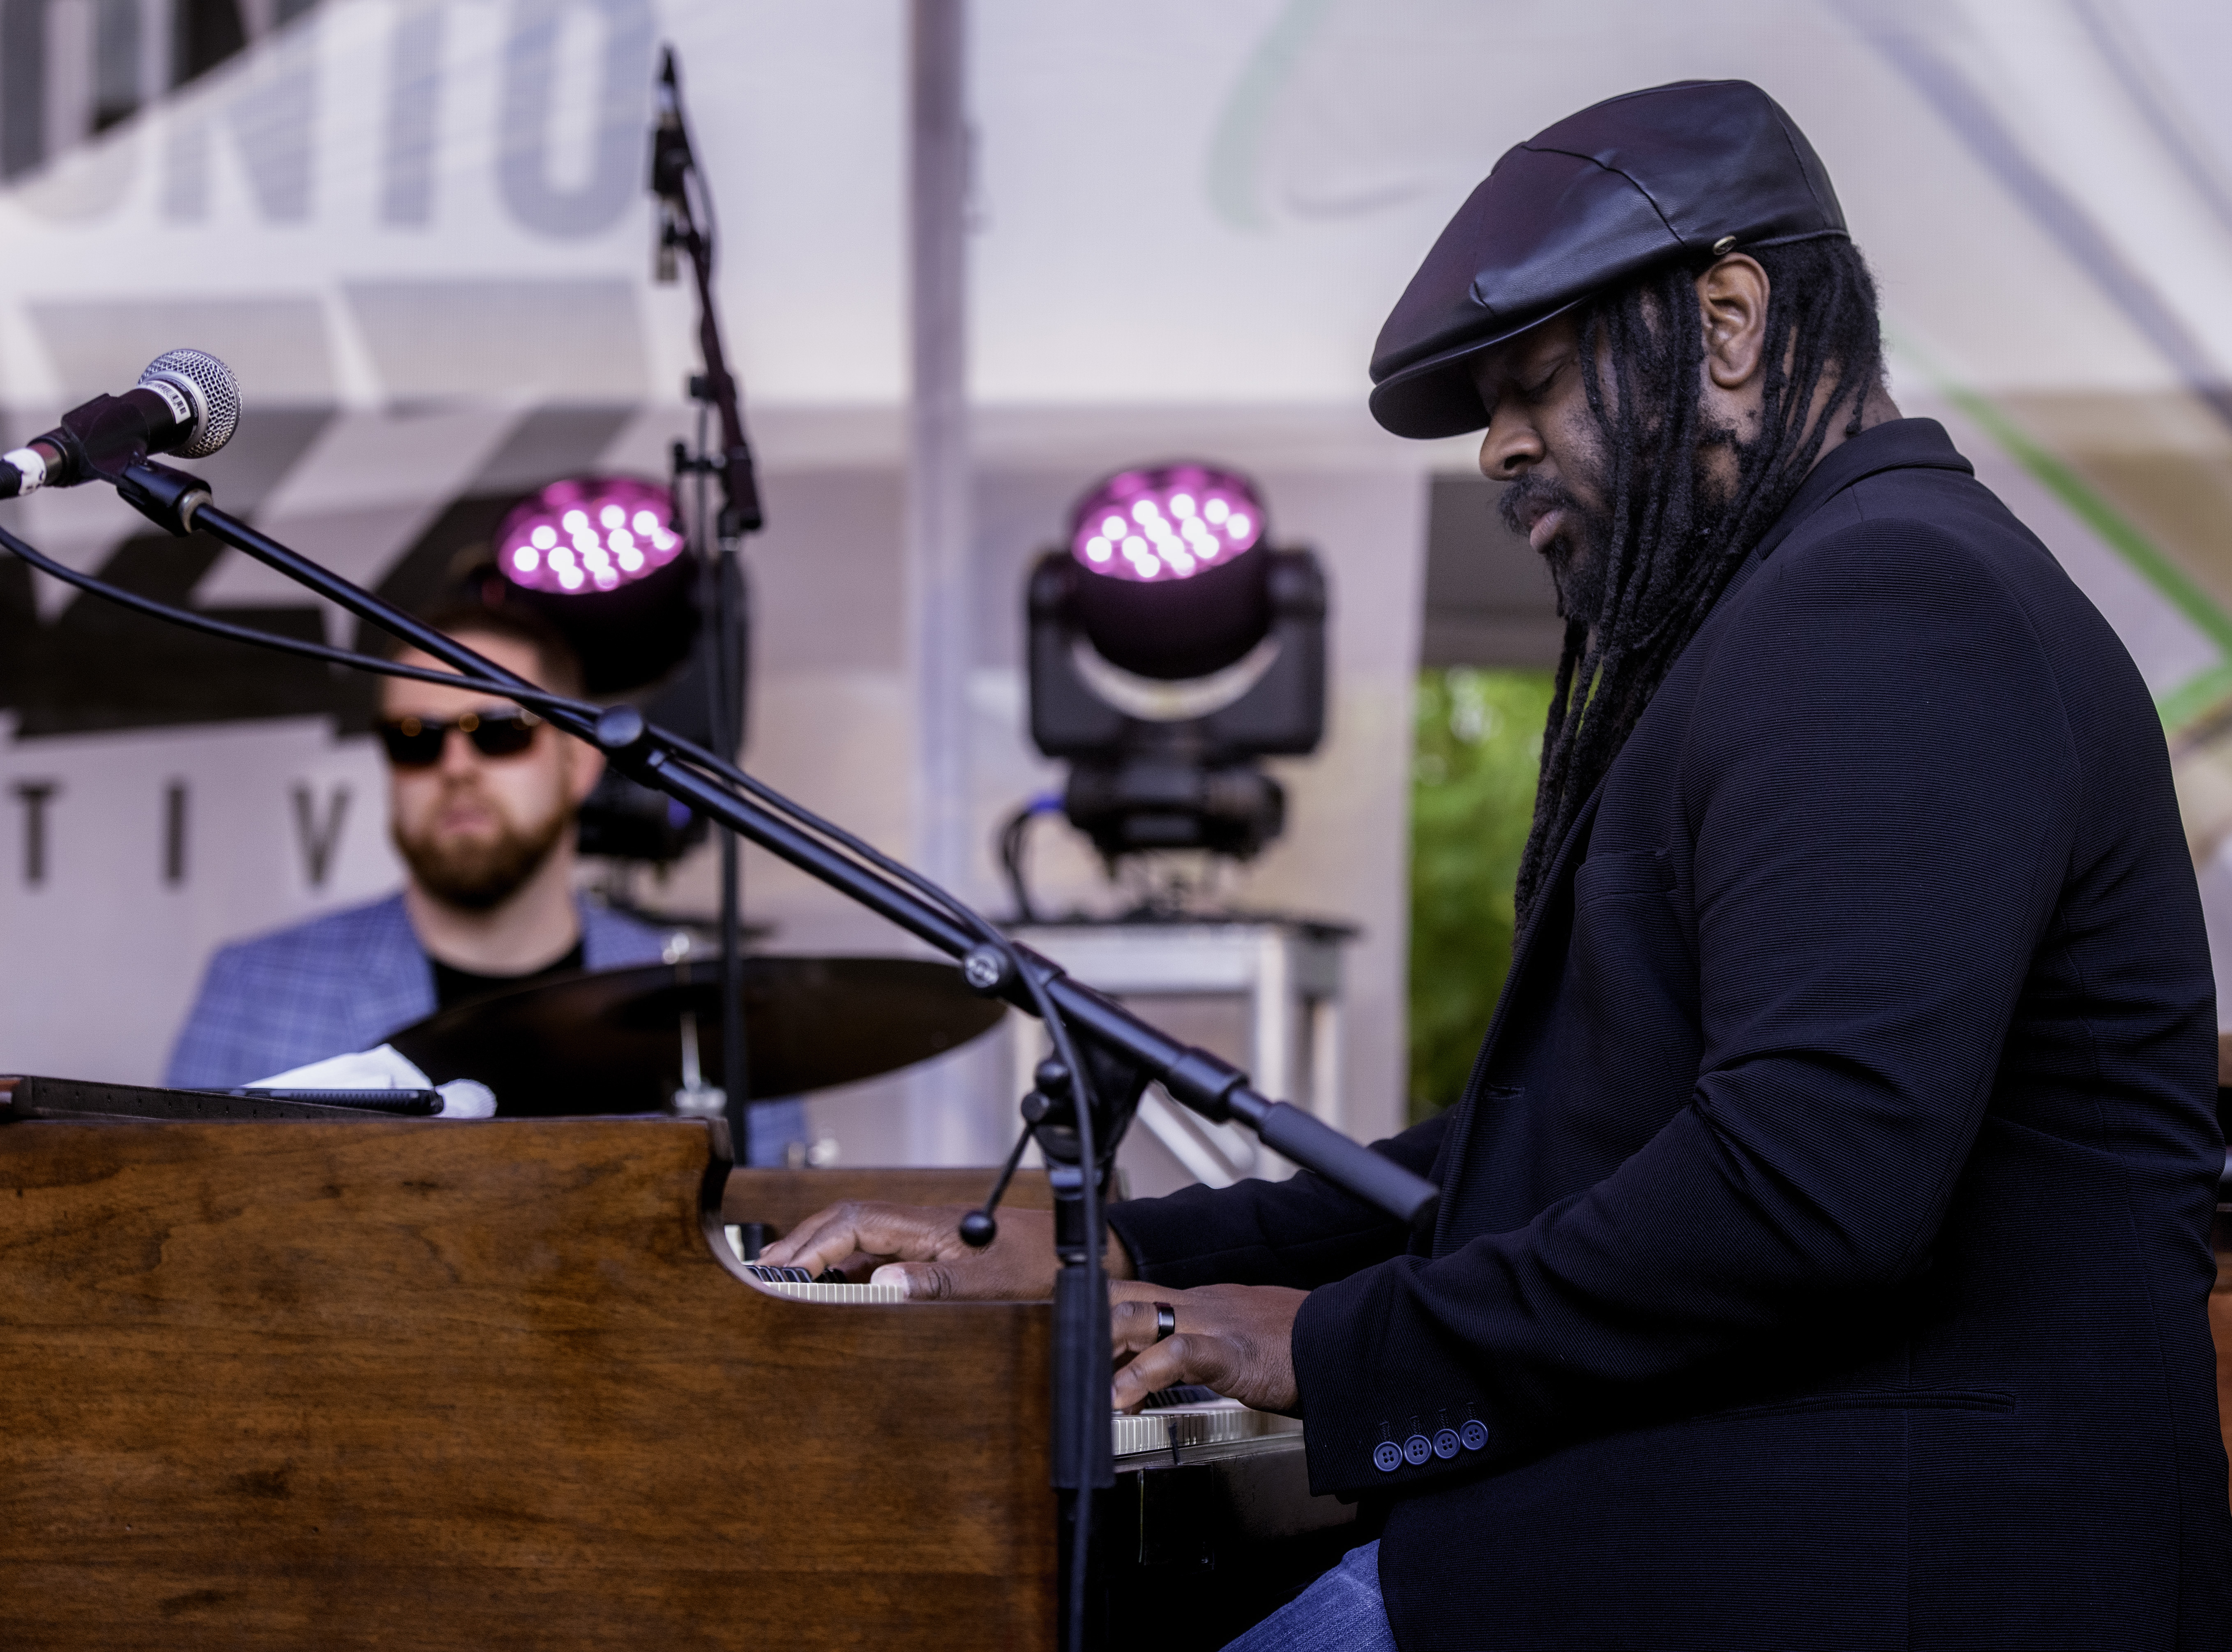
column 696, row 756
column 699, row 757
column 534, row 698
column 1081, row 1105
column 1096, row 1297
column 720, row 768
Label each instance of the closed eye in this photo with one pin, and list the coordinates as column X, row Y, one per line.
column 1527, row 393
column 1540, row 387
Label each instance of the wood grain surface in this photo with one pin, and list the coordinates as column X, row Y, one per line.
column 436, row 1385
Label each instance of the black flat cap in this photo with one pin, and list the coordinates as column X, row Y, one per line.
column 1687, row 171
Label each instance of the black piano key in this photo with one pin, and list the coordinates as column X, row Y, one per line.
column 1181, row 1394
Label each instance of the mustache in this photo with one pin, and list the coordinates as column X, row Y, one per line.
column 1530, row 494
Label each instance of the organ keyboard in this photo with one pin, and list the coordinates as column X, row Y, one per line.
column 453, row 1386
column 1197, row 1419
column 1171, row 1422
column 802, row 1289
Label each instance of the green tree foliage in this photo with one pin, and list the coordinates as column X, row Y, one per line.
column 1477, row 747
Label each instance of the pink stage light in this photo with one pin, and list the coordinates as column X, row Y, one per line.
column 588, row 535
column 1170, row 522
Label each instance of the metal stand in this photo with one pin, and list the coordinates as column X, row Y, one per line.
column 728, row 687
column 1123, row 1051
column 1286, row 971
column 673, row 166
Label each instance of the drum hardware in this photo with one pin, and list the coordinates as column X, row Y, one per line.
column 642, row 1039
column 696, row 1098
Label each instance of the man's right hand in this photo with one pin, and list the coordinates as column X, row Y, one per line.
column 921, row 1247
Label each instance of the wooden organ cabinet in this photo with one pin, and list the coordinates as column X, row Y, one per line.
column 280, row 1384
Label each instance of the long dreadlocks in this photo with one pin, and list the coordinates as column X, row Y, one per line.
column 1672, row 544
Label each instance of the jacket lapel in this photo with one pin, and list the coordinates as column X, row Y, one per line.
column 1529, row 952
column 1557, row 892
column 395, row 982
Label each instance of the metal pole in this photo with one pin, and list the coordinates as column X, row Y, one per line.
column 728, row 676
column 728, row 658
column 937, row 514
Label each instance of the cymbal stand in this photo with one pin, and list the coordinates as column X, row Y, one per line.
column 684, row 228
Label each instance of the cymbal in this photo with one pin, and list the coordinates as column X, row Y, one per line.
column 610, row 1041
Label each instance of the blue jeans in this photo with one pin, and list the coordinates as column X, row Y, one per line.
column 1340, row 1612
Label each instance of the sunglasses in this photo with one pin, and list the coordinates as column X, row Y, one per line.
column 416, row 743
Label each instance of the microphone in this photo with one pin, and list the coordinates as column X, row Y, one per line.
column 187, row 402
column 671, row 159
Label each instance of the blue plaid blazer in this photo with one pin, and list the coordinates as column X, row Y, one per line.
column 339, row 983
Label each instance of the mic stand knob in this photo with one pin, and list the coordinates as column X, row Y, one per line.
column 167, row 497
column 979, row 1228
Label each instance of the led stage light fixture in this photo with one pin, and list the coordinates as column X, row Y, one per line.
column 578, row 536
column 1171, row 646
column 602, row 559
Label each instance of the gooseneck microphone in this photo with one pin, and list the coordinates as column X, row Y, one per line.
column 187, row 402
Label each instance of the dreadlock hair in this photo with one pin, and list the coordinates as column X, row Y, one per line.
column 1672, row 545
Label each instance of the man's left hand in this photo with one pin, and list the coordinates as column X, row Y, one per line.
column 1237, row 1339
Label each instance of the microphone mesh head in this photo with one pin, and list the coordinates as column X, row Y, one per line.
column 209, row 385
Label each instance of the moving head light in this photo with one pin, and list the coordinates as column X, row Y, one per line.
column 603, row 560
column 600, row 558
column 1171, row 646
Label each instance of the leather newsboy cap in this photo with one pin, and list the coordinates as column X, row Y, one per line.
column 1681, row 173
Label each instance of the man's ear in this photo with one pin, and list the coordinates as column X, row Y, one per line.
column 1732, row 314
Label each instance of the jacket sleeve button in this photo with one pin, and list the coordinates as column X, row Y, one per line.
column 1416, row 1449
column 1387, row 1456
column 1446, row 1444
column 1474, row 1435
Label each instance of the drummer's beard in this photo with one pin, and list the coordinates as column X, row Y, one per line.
column 477, row 873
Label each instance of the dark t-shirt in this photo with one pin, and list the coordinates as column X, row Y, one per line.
column 453, row 986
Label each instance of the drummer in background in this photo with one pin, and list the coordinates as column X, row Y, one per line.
column 481, row 801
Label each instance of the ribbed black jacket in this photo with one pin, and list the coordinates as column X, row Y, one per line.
column 1823, row 1247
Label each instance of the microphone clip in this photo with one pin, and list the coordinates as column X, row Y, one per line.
column 100, row 438
column 167, row 497
column 672, row 162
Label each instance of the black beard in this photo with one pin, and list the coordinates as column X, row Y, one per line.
column 476, row 875
column 1580, row 555
column 1577, row 557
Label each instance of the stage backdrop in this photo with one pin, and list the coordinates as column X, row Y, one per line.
column 418, row 233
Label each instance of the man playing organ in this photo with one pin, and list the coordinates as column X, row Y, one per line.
column 1822, row 1251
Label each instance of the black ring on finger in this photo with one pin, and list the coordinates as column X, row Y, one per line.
column 1166, row 1320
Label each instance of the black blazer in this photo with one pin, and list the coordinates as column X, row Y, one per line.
column 1823, row 1251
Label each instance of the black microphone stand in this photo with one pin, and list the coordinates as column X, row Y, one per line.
column 1104, row 1055
column 673, row 164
